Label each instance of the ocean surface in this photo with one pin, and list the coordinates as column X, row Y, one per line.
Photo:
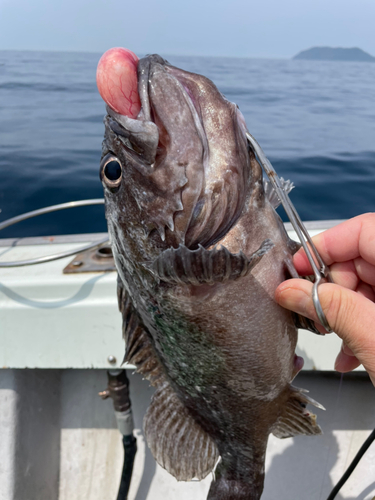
column 314, row 120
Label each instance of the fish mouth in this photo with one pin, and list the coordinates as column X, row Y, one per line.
column 190, row 143
column 154, row 68
column 164, row 90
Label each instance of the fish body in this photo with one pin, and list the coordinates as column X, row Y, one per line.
column 200, row 250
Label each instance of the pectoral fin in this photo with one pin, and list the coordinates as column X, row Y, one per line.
column 195, row 267
column 296, row 419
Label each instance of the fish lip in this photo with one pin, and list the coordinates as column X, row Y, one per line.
column 144, row 79
column 146, row 66
column 139, row 137
column 125, row 122
column 144, row 126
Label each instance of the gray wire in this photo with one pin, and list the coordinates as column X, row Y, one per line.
column 46, row 210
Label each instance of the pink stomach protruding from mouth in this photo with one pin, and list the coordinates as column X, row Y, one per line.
column 117, row 81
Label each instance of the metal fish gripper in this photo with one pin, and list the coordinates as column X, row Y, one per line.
column 321, row 270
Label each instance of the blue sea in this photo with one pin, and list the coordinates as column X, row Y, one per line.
column 314, row 120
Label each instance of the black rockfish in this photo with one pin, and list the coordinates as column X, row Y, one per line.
column 200, row 251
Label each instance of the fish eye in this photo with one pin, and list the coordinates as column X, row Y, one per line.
column 111, row 171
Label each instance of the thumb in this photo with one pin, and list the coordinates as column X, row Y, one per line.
column 349, row 314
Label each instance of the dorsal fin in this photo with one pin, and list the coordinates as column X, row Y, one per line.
column 270, row 192
column 177, row 442
column 139, row 350
column 195, row 267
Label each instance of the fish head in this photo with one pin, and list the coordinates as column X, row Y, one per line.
column 179, row 172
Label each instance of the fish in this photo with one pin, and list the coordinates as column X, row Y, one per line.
column 200, row 250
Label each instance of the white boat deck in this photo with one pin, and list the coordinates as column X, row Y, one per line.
column 60, row 441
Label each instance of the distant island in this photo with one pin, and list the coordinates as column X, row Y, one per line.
column 335, row 54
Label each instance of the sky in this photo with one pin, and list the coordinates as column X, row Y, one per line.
column 239, row 28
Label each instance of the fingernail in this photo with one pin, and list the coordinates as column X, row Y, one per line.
column 340, row 357
column 338, row 361
column 346, row 350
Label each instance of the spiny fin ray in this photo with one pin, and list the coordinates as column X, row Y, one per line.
column 295, row 419
column 270, row 192
column 195, row 267
column 139, row 350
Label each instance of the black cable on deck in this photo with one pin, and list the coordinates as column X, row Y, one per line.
column 130, row 449
column 118, row 390
column 352, row 466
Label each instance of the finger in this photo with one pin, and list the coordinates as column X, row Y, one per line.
column 345, row 274
column 296, row 295
column 366, row 291
column 365, row 270
column 348, row 313
column 347, row 241
column 349, row 274
column 320, row 328
column 345, row 363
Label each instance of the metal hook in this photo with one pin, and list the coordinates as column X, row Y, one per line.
column 321, row 273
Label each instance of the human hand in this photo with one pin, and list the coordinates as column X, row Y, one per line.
column 349, row 250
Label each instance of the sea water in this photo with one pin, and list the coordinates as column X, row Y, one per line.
column 315, row 120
